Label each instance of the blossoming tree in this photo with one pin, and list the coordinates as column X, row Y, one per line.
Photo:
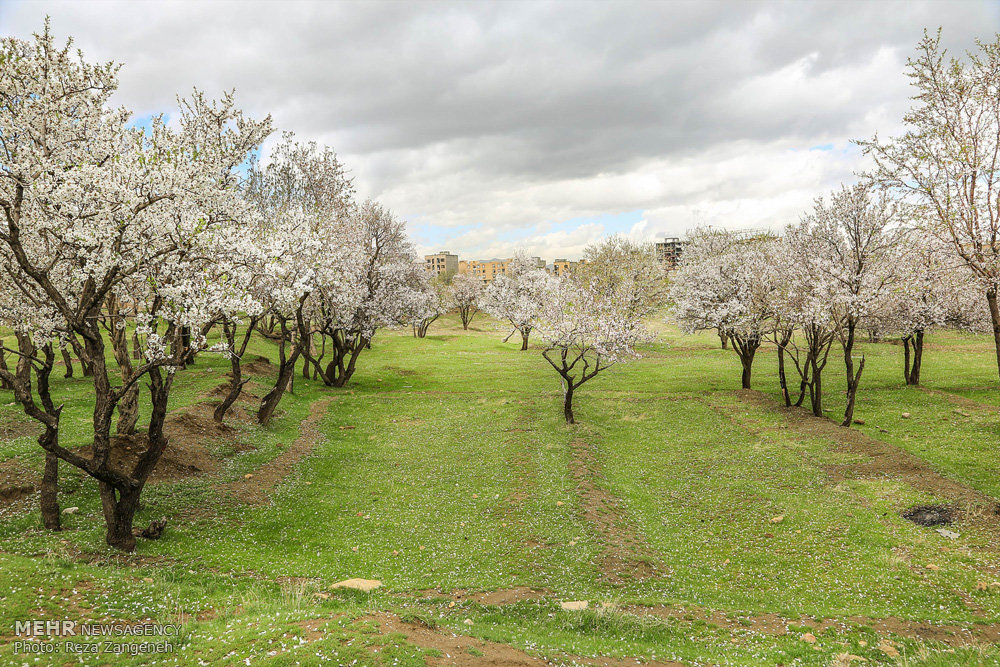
column 724, row 282
column 846, row 258
column 947, row 162
column 518, row 296
column 90, row 206
column 309, row 267
column 590, row 323
column 466, row 290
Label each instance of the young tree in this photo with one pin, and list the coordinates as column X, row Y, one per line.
column 724, row 282
column 310, row 266
column 518, row 296
column 927, row 297
column 847, row 250
column 589, row 323
column 618, row 260
column 466, row 290
column 947, row 163
column 424, row 301
column 378, row 292
column 92, row 206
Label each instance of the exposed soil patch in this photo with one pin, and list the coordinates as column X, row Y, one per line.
column 259, row 365
column 455, row 649
column 16, row 428
column 625, row 554
column 884, row 460
column 191, row 435
column 16, row 482
column 929, row 515
column 254, row 490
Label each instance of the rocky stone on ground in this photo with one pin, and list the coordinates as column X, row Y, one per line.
column 365, row 585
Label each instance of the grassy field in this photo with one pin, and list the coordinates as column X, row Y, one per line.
column 703, row 524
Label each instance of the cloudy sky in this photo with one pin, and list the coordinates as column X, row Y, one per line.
column 491, row 126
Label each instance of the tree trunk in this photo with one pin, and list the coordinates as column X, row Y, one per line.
column 525, row 332
column 747, row 364
column 852, row 392
column 354, row 351
column 67, row 362
column 128, row 407
column 725, row 340
column 816, row 390
column 119, row 512
column 49, row 490
column 81, row 354
column 186, row 346
column 991, row 299
column 4, row 383
column 568, row 403
column 305, row 365
column 285, row 372
column 782, row 377
column 911, row 366
column 853, row 379
column 49, row 497
column 906, row 357
column 918, row 358
column 236, row 367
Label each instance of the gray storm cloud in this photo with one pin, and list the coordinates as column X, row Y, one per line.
column 508, row 115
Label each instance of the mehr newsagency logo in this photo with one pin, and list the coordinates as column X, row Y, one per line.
column 61, row 636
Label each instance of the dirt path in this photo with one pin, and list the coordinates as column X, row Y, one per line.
column 255, row 490
column 884, row 459
column 465, row 651
column 625, row 553
column 961, row 401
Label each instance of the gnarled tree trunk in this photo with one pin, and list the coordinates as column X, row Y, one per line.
column 991, row 300
column 235, row 365
column 853, row 378
column 286, row 369
column 724, row 338
column 746, row 348
column 67, row 362
column 568, row 403
column 911, row 365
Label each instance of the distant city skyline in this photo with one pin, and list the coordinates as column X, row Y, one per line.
column 545, row 125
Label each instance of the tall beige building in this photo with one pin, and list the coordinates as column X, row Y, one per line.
column 488, row 269
column 563, row 267
column 442, row 263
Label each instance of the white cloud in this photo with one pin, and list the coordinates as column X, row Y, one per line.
column 510, row 116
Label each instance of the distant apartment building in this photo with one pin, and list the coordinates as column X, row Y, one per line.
column 488, row 269
column 442, row 263
column 563, row 267
column 669, row 251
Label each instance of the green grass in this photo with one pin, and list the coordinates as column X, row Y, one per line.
column 458, row 475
